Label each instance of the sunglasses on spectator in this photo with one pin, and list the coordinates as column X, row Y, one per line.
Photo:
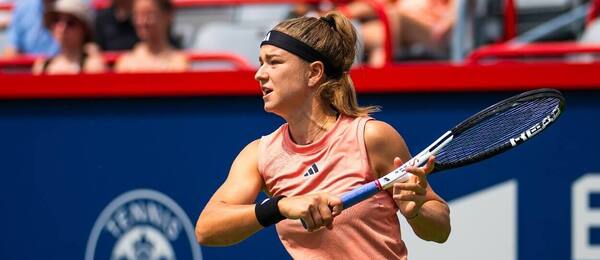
column 70, row 22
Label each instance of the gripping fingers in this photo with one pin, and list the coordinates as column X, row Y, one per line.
column 308, row 220
column 430, row 164
column 325, row 213
column 419, row 199
column 316, row 217
column 414, row 187
column 319, row 210
column 397, row 162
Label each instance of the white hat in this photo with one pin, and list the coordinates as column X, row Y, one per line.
column 75, row 8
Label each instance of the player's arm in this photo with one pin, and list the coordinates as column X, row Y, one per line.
column 427, row 213
column 229, row 217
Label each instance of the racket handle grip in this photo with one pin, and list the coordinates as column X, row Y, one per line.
column 359, row 194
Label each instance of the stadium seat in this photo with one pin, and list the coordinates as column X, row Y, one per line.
column 241, row 34
column 531, row 13
column 262, row 14
column 190, row 20
column 227, row 37
column 591, row 33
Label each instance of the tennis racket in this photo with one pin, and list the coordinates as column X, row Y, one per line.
column 492, row 131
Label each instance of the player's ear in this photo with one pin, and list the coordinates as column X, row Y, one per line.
column 316, row 73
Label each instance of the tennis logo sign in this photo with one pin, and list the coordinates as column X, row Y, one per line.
column 142, row 224
column 536, row 128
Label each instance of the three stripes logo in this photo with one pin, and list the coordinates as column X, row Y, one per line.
column 312, row 170
column 267, row 37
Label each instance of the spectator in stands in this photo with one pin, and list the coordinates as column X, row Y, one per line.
column 70, row 24
column 26, row 32
column 424, row 23
column 114, row 27
column 4, row 20
column 154, row 52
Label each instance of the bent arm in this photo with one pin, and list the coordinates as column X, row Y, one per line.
column 384, row 143
column 229, row 217
column 433, row 221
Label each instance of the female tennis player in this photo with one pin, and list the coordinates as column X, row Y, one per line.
column 328, row 146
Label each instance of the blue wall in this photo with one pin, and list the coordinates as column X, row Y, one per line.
column 63, row 161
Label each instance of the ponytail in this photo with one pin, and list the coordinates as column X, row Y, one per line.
column 334, row 36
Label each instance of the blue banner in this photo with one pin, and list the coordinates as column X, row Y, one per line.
column 127, row 178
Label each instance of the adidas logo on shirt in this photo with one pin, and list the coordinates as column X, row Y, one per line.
column 312, row 170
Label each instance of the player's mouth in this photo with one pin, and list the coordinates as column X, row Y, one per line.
column 266, row 91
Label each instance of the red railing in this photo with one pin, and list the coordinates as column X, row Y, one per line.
column 379, row 9
column 100, row 4
column 508, row 51
column 24, row 63
column 237, row 61
column 5, row 6
column 191, row 3
column 510, row 20
column 593, row 12
column 474, row 75
column 391, row 79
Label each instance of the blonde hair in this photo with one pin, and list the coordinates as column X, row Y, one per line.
column 333, row 36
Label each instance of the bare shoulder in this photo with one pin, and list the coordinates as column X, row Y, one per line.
column 95, row 64
column 381, row 136
column 379, row 132
column 180, row 56
column 251, row 151
column 383, row 144
column 38, row 66
column 123, row 62
column 180, row 61
column 246, row 163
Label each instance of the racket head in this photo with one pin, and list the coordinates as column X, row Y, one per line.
column 500, row 127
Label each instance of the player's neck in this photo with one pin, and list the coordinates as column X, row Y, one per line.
column 307, row 127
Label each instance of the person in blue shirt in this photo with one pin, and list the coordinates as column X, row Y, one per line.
column 26, row 33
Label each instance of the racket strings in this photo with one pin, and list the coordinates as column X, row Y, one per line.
column 496, row 130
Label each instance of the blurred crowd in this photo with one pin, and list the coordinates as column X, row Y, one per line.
column 66, row 33
column 414, row 25
column 68, row 40
column 69, row 37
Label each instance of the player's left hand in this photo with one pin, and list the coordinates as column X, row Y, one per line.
column 411, row 195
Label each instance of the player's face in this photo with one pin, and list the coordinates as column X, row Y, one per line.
column 283, row 79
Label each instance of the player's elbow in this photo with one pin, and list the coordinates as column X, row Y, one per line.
column 443, row 236
column 443, row 232
column 439, row 236
column 438, row 229
column 201, row 235
column 208, row 235
column 204, row 236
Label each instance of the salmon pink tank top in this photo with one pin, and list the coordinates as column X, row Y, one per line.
column 335, row 163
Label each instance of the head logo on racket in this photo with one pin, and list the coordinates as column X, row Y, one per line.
column 536, row 128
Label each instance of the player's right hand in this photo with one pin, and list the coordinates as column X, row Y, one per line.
column 316, row 210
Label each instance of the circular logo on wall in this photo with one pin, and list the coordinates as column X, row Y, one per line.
column 142, row 224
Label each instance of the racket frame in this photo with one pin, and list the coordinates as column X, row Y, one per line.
column 401, row 175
